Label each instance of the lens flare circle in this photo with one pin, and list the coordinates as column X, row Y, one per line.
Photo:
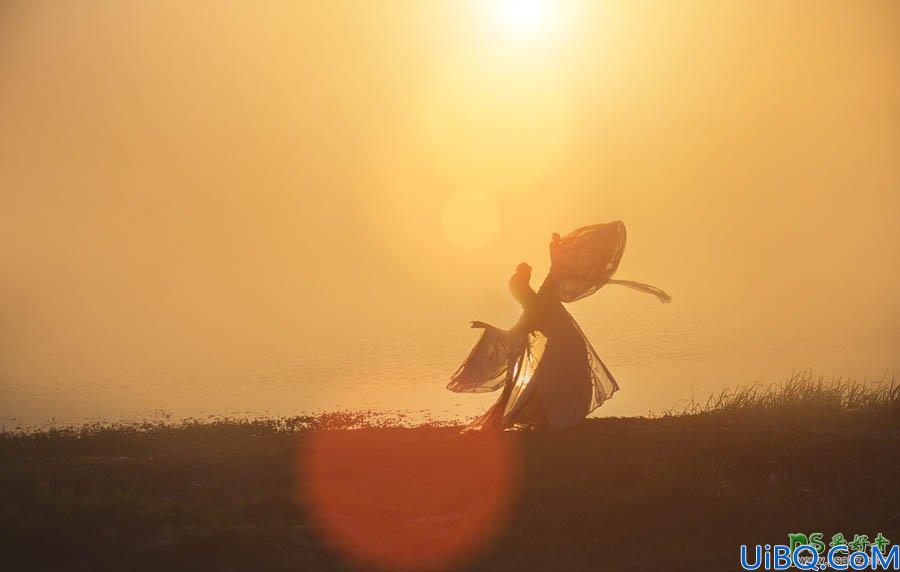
column 407, row 500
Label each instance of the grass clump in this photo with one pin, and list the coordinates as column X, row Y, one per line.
column 803, row 394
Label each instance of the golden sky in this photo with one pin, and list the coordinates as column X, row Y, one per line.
column 212, row 186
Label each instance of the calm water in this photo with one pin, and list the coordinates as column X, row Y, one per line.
column 662, row 356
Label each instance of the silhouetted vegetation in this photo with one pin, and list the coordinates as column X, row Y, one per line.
column 676, row 492
column 803, row 395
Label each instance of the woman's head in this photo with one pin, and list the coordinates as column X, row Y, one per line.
column 519, row 284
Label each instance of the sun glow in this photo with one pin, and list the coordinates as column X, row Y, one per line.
column 523, row 16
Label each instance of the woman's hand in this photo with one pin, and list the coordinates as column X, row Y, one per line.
column 478, row 324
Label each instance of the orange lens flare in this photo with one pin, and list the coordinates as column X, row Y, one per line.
column 401, row 499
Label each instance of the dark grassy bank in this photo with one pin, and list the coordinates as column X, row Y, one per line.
column 679, row 492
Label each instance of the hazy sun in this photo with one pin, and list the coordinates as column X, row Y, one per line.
column 470, row 219
column 523, row 15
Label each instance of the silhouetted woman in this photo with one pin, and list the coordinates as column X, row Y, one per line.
column 549, row 372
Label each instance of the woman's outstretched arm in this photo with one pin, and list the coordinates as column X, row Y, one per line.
column 549, row 284
column 520, row 327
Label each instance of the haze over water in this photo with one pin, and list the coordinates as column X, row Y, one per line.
column 227, row 208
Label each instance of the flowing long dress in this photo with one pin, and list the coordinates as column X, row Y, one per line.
column 550, row 373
